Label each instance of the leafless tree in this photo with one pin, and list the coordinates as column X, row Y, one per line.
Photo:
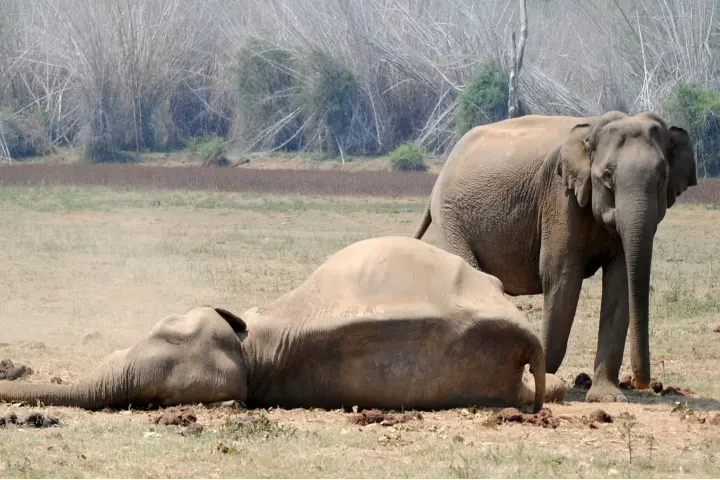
column 518, row 51
column 137, row 74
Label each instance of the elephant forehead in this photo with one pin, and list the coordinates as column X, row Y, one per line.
column 195, row 323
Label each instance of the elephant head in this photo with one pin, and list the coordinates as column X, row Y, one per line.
column 629, row 170
column 190, row 358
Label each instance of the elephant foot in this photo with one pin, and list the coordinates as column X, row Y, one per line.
column 554, row 389
column 605, row 393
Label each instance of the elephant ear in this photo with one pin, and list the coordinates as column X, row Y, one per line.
column 238, row 324
column 574, row 163
column 577, row 152
column 681, row 159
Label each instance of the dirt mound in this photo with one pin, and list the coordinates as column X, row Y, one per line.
column 544, row 418
column 584, row 382
column 33, row 420
column 12, row 371
column 181, row 416
column 366, row 417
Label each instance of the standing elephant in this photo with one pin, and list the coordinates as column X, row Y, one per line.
column 387, row 322
column 543, row 202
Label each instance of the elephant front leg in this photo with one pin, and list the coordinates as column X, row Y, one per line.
column 561, row 287
column 614, row 321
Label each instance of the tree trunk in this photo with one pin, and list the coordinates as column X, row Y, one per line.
column 518, row 52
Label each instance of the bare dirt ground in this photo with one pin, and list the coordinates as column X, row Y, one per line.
column 89, row 270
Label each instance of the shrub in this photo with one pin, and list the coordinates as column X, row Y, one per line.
column 24, row 135
column 697, row 111
column 407, row 157
column 484, row 100
column 338, row 98
column 267, row 90
column 210, row 149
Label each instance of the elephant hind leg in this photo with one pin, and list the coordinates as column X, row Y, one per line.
column 456, row 244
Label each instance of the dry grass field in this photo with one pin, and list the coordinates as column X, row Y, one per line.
column 88, row 269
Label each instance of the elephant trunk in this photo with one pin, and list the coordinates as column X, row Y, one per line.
column 57, row 395
column 637, row 231
column 104, row 387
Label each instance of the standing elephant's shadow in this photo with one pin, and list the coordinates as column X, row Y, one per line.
column 644, row 397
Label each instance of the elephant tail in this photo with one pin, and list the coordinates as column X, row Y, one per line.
column 537, row 367
column 426, row 221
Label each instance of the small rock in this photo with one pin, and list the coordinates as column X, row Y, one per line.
column 612, row 471
column 56, row 380
column 583, row 381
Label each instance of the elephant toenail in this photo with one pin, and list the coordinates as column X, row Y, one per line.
column 608, row 398
column 622, row 399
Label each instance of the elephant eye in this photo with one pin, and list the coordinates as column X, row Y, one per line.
column 607, row 178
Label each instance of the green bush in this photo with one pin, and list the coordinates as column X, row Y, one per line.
column 210, row 149
column 268, row 91
column 697, row 110
column 24, row 135
column 484, row 100
column 407, row 157
column 337, row 96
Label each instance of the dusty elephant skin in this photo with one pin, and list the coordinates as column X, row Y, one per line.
column 388, row 322
column 543, row 202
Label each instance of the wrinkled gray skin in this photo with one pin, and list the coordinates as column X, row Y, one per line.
column 389, row 322
column 543, row 202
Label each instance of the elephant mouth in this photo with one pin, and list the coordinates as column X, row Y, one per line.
column 609, row 219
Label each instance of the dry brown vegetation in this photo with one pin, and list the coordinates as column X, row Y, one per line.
column 145, row 74
column 87, row 270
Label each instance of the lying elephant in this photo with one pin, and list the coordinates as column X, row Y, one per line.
column 543, row 202
column 388, row 322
